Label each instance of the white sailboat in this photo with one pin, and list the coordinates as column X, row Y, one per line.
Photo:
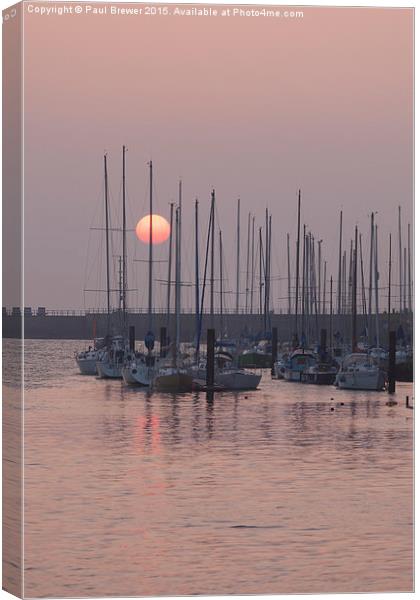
column 175, row 377
column 226, row 375
column 360, row 372
column 86, row 359
column 140, row 370
column 110, row 365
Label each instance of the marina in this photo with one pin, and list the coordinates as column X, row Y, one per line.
column 290, row 487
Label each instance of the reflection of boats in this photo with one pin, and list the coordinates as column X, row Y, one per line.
column 360, row 372
column 322, row 373
column 259, row 356
column 298, row 362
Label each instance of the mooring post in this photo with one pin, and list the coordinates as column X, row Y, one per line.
column 132, row 338
column 274, row 344
column 210, row 358
column 391, row 362
column 163, row 342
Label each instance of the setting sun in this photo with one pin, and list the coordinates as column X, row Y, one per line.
column 160, row 229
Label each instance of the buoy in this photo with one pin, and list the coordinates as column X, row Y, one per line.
column 332, row 408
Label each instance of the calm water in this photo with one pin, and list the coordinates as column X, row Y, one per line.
column 132, row 493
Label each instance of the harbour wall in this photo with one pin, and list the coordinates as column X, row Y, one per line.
column 86, row 326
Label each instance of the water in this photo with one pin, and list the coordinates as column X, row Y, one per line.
column 133, row 493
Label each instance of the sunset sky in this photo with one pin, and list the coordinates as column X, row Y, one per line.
column 254, row 107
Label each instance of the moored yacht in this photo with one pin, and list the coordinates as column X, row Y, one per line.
column 110, row 365
column 299, row 361
column 360, row 372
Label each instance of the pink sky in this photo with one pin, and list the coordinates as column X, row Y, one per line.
column 255, row 107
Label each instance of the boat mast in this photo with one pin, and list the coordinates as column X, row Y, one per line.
column 150, row 243
column 400, row 257
column 405, row 280
column 324, row 287
column 354, row 295
column 297, row 270
column 212, row 260
column 339, row 264
column 247, row 265
column 177, row 286
column 108, row 290
column 124, row 240
column 331, row 312
column 180, row 234
column 376, row 286
column 389, row 283
column 203, row 290
column 319, row 276
column 168, row 300
column 371, row 257
column 343, row 283
column 252, row 265
column 261, row 269
column 238, row 249
column 289, row 308
column 197, row 272
column 409, row 268
column 303, row 281
column 362, row 281
column 267, row 258
column 221, row 282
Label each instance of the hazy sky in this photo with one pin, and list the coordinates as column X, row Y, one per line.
column 256, row 107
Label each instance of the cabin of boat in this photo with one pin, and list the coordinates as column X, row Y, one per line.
column 298, row 362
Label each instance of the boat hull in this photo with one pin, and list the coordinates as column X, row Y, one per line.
column 173, row 382
column 237, row 381
column 319, row 378
column 87, row 366
column 138, row 375
column 292, row 375
column 108, row 370
column 374, row 381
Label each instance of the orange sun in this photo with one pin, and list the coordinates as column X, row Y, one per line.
column 160, row 229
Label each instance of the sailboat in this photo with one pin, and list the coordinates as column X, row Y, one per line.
column 140, row 369
column 110, row 363
column 175, row 377
column 227, row 376
column 87, row 360
column 361, row 371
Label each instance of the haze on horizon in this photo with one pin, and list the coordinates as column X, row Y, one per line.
column 256, row 108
